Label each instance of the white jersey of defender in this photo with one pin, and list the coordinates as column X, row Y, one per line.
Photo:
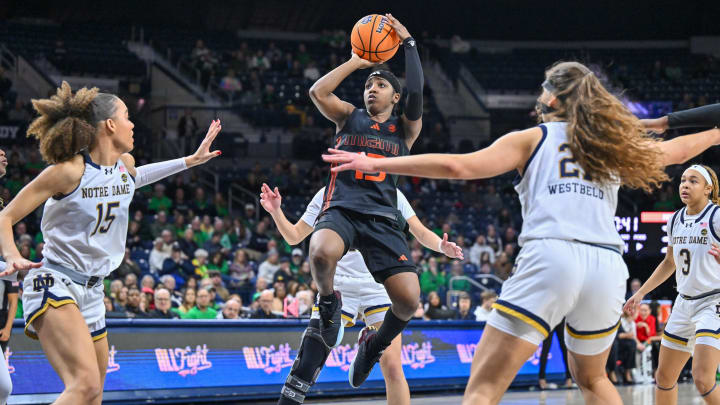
column 691, row 238
column 86, row 229
column 352, row 264
column 559, row 201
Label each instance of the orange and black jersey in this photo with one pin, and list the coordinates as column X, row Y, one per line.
column 368, row 193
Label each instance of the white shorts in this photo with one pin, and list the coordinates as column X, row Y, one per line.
column 362, row 298
column 556, row 279
column 44, row 287
column 693, row 322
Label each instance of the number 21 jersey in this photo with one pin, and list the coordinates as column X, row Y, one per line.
column 86, row 229
column 368, row 193
column 691, row 236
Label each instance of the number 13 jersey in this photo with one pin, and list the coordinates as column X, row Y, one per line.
column 86, row 229
column 691, row 237
column 369, row 193
column 559, row 201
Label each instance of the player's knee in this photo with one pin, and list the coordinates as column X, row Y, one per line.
column 322, row 259
column 87, row 388
column 664, row 379
column 406, row 306
column 704, row 381
column 391, row 369
column 585, row 380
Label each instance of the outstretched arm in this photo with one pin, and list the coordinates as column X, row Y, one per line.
column 150, row 173
column 683, row 148
column 430, row 240
column 509, row 152
column 293, row 234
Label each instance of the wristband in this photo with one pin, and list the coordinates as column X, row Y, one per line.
column 440, row 246
column 409, row 42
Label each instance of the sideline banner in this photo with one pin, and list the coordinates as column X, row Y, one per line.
column 254, row 357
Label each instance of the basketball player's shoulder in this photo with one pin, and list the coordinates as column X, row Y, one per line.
column 64, row 176
column 528, row 139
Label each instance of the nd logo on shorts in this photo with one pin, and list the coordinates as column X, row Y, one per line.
column 43, row 282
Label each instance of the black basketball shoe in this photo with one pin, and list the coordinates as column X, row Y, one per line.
column 331, row 325
column 364, row 359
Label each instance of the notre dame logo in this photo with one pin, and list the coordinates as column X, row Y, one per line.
column 124, row 178
column 704, row 232
column 43, row 282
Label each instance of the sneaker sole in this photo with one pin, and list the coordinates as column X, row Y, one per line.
column 350, row 373
column 341, row 334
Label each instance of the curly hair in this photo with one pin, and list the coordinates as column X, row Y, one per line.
column 715, row 192
column 67, row 122
column 609, row 143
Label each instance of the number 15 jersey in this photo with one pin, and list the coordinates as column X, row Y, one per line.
column 691, row 236
column 86, row 229
column 368, row 193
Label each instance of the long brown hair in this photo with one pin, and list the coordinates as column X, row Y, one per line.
column 67, row 122
column 607, row 140
column 715, row 192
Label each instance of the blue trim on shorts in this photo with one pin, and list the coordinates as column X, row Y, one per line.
column 348, row 314
column 526, row 313
column 592, row 332
column 374, row 307
column 676, row 336
column 98, row 332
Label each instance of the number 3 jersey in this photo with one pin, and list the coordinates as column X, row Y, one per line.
column 86, row 229
column 559, row 201
column 691, row 237
column 369, row 193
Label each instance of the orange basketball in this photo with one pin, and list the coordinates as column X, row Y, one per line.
column 374, row 39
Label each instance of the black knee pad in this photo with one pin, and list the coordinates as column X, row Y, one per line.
column 308, row 364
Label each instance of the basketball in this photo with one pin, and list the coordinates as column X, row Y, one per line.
column 373, row 38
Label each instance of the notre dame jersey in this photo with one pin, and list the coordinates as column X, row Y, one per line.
column 691, row 237
column 368, row 193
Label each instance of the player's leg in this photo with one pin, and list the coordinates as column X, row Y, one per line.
column 498, row 357
column 5, row 381
column 333, row 236
column 396, row 385
column 101, row 355
column 66, row 341
column 589, row 374
column 670, row 366
column 705, row 364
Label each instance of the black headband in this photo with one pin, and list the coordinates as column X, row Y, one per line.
column 389, row 76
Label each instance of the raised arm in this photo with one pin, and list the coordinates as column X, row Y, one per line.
column 150, row 173
column 293, row 234
column 321, row 93
column 508, row 153
column 412, row 116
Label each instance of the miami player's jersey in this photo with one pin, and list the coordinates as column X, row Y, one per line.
column 352, row 264
column 368, row 193
column 86, row 229
column 559, row 201
column 691, row 238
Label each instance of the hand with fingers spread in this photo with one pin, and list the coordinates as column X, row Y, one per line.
column 269, row 199
column 18, row 264
column 349, row 161
column 715, row 252
column 451, row 249
column 203, row 153
column 400, row 29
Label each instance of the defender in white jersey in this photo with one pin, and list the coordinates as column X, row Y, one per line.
column 362, row 296
column 694, row 256
column 85, row 137
column 570, row 263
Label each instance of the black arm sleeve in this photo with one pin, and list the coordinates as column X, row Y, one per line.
column 705, row 116
column 414, row 81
